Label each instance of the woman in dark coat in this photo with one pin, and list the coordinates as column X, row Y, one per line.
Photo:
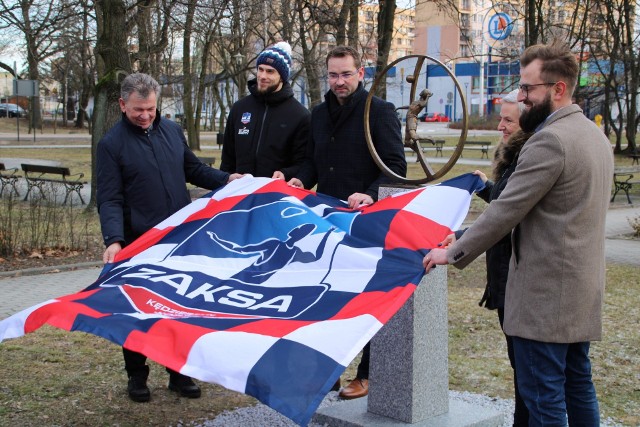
column 497, row 257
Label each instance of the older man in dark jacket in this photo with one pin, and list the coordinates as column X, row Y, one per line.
column 338, row 158
column 143, row 165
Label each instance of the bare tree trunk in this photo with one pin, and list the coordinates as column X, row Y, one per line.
column 87, row 71
column 204, row 70
column 631, row 57
column 533, row 22
column 352, row 32
column 310, row 60
column 113, row 65
column 385, row 36
column 35, row 115
column 192, row 135
column 341, row 25
column 143, row 22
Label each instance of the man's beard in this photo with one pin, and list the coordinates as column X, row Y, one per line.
column 532, row 118
column 268, row 89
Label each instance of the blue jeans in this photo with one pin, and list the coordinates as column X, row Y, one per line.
column 555, row 382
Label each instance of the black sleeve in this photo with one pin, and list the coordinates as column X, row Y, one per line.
column 228, row 161
column 485, row 193
column 387, row 140
column 110, row 195
column 298, row 148
column 308, row 173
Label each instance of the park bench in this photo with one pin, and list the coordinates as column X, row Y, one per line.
column 426, row 145
column 484, row 146
column 439, row 143
column 208, row 160
column 623, row 179
column 39, row 175
column 9, row 178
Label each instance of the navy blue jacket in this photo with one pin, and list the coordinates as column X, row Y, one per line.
column 142, row 177
column 266, row 133
column 338, row 158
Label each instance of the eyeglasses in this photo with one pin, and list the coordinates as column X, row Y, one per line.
column 343, row 76
column 527, row 88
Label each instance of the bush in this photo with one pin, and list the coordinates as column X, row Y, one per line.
column 42, row 223
column 635, row 224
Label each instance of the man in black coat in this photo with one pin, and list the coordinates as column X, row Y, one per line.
column 267, row 131
column 143, row 164
column 338, row 159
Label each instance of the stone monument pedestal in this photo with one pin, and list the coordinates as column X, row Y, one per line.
column 409, row 370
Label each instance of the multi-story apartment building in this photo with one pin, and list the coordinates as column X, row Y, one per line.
column 477, row 39
column 403, row 34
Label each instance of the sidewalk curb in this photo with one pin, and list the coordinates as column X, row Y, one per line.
column 51, row 269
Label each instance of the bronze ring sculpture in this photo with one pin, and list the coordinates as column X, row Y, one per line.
column 411, row 138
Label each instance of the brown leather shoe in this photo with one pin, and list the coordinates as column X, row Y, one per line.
column 357, row 388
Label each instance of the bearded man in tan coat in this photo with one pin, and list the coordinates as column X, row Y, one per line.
column 556, row 203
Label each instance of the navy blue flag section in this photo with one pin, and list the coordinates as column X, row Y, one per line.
column 263, row 288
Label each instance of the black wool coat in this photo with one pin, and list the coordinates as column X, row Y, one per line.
column 338, row 159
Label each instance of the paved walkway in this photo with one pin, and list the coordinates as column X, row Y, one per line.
column 31, row 287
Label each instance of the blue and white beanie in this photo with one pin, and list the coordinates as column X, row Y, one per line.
column 277, row 56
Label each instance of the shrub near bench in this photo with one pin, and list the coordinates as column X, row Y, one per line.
column 9, row 178
column 623, row 179
column 38, row 175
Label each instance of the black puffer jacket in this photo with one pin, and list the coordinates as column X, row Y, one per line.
column 266, row 133
column 142, row 177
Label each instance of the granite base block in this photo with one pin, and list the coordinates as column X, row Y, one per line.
column 353, row 413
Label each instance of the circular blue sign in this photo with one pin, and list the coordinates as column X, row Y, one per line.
column 500, row 26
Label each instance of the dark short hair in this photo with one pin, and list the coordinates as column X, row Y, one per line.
column 141, row 83
column 558, row 63
column 341, row 52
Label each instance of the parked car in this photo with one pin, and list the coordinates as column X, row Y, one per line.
column 11, row 110
column 433, row 117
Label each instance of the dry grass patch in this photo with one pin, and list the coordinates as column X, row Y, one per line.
column 478, row 359
column 52, row 377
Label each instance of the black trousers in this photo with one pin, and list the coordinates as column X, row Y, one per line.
column 521, row 413
column 136, row 364
column 363, row 366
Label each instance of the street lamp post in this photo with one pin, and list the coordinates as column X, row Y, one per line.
column 466, row 95
column 239, row 59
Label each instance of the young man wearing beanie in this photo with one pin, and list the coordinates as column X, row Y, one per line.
column 266, row 133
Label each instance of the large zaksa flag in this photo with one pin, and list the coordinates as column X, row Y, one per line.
column 263, row 288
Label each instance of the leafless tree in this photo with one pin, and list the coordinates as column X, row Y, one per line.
column 614, row 49
column 38, row 23
column 315, row 21
column 113, row 64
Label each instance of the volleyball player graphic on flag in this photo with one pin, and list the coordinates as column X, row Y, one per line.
column 259, row 283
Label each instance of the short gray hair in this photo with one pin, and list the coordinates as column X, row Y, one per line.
column 141, row 83
column 512, row 98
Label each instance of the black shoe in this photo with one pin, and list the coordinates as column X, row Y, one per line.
column 184, row 385
column 336, row 386
column 138, row 390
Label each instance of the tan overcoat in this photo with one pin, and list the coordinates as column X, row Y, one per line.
column 555, row 202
